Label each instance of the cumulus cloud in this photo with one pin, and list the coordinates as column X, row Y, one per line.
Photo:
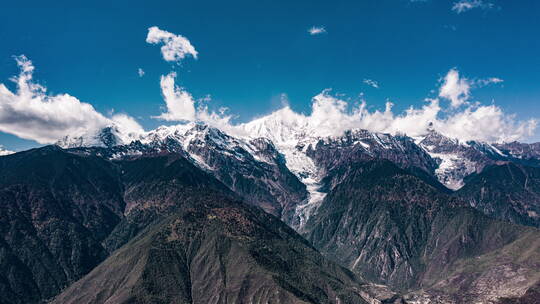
column 174, row 48
column 331, row 116
column 140, row 72
column 371, row 83
column 180, row 104
column 467, row 5
column 126, row 124
column 31, row 113
column 486, row 123
column 455, row 88
column 316, row 30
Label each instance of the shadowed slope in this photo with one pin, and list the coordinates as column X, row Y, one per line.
column 216, row 252
column 55, row 209
column 155, row 186
column 509, row 192
column 391, row 227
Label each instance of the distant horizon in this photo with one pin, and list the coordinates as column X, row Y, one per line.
column 386, row 66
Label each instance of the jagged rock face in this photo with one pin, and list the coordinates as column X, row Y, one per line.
column 329, row 154
column 252, row 168
column 375, row 221
column 63, row 211
column 458, row 160
column 109, row 136
column 216, row 252
column 390, row 221
column 56, row 209
column 509, row 192
column 393, row 228
column 361, row 145
column 521, row 153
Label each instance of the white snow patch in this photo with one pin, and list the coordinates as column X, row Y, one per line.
column 5, row 152
column 363, row 144
column 120, row 155
column 452, row 169
column 292, row 136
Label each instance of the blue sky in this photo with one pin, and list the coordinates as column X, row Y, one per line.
column 251, row 52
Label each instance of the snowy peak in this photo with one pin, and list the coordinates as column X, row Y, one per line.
column 109, row 136
column 251, row 167
column 459, row 159
column 520, row 150
column 455, row 160
column 439, row 143
column 287, row 137
column 283, row 127
column 435, row 141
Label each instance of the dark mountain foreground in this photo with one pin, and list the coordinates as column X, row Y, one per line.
column 217, row 252
column 150, row 229
column 56, row 210
column 507, row 191
column 188, row 214
column 393, row 228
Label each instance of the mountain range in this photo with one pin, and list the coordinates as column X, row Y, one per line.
column 271, row 211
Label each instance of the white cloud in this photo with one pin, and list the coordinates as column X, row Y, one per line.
column 371, row 83
column 486, row 123
column 455, row 88
column 316, row 30
column 487, row 81
column 5, row 152
column 467, row 5
column 175, row 47
column 332, row 116
column 140, row 72
column 31, row 113
column 180, row 104
column 126, row 124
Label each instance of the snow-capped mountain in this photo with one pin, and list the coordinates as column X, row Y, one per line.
column 312, row 150
column 252, row 167
column 457, row 160
column 371, row 201
column 280, row 161
column 109, row 136
column 311, row 153
column 291, row 136
column 525, row 153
